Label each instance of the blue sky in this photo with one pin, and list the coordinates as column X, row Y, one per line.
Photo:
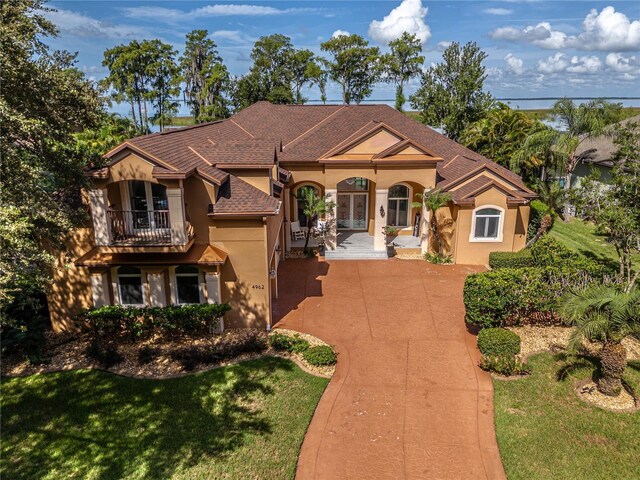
column 535, row 48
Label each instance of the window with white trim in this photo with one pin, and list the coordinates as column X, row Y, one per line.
column 398, row 206
column 487, row 224
column 187, row 284
column 130, row 286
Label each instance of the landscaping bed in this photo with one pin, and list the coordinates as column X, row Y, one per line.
column 159, row 356
column 545, row 430
column 246, row 420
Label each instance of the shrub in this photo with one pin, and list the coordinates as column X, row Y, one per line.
column 548, row 252
column 320, row 355
column 229, row 345
column 498, row 341
column 286, row 343
column 536, row 214
column 506, row 365
column 138, row 322
column 438, row 259
column 106, row 355
column 520, row 259
column 147, row 354
column 520, row 296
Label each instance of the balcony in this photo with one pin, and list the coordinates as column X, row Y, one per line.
column 157, row 230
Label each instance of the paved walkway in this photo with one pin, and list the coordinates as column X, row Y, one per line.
column 407, row 399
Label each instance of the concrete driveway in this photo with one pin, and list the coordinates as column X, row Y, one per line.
column 407, row 399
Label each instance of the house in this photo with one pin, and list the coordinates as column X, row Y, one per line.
column 204, row 213
column 596, row 153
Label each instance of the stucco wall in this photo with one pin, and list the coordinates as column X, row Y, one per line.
column 245, row 278
column 70, row 290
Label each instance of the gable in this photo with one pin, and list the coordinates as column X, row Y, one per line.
column 376, row 143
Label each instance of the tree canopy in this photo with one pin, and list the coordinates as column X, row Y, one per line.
column 44, row 101
column 355, row 66
column 403, row 63
column 451, row 93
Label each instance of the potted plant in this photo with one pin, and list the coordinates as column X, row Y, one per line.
column 390, row 232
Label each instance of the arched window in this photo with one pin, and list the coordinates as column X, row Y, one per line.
column 187, row 284
column 487, row 224
column 398, row 206
column 130, row 286
column 300, row 201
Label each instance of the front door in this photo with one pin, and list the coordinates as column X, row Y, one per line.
column 352, row 211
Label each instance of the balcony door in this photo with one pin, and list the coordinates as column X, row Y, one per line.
column 149, row 205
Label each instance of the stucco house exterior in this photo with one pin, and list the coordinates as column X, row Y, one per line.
column 204, row 213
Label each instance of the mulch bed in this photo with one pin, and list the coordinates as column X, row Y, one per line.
column 166, row 357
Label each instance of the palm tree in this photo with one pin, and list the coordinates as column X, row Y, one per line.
column 557, row 148
column 314, row 207
column 432, row 201
column 606, row 315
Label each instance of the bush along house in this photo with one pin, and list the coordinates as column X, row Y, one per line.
column 205, row 214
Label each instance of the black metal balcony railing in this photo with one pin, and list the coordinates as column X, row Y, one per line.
column 140, row 227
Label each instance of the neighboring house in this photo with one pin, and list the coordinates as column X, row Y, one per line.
column 597, row 153
column 204, row 213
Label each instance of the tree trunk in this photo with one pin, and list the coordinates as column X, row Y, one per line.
column 133, row 112
column 309, row 224
column 613, row 361
column 436, row 234
column 545, row 225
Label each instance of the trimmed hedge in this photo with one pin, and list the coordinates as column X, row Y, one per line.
column 286, row 343
column 506, row 365
column 320, row 355
column 498, row 341
column 521, row 296
column 520, row 259
column 139, row 322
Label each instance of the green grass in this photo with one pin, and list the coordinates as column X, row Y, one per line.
column 185, row 121
column 581, row 237
column 241, row 421
column 545, row 432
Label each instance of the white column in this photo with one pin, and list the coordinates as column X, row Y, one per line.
column 157, row 292
column 331, row 240
column 101, row 224
column 100, row 289
column 425, row 218
column 176, row 216
column 212, row 280
column 381, row 204
column 214, row 294
column 287, row 216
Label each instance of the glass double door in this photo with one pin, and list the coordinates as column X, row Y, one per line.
column 352, row 211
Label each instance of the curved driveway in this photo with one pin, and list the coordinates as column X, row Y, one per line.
column 407, row 399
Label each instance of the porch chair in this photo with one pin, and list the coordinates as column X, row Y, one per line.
column 296, row 231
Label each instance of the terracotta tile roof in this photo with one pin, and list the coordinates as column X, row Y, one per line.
column 236, row 196
column 239, row 152
column 265, row 133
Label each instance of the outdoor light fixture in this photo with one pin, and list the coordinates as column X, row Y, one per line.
column 272, row 274
column 382, row 211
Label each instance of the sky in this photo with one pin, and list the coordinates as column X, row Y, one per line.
column 535, row 48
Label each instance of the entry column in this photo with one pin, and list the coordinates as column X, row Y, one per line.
column 331, row 239
column 380, row 207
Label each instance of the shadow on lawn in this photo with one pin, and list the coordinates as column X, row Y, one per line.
column 94, row 424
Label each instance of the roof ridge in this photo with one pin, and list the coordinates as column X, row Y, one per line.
column 188, row 127
column 314, row 127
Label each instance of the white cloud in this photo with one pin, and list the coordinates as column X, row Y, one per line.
column 607, row 31
column 561, row 62
column 84, row 26
column 514, row 64
column 443, row 45
column 407, row 17
column 339, row 33
column 619, row 63
column 232, row 36
column 498, row 11
column 557, row 63
column 171, row 15
column 590, row 64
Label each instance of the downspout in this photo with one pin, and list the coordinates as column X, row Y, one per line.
column 266, row 261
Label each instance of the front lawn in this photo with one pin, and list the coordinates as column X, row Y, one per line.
column 242, row 421
column 581, row 237
column 545, row 432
